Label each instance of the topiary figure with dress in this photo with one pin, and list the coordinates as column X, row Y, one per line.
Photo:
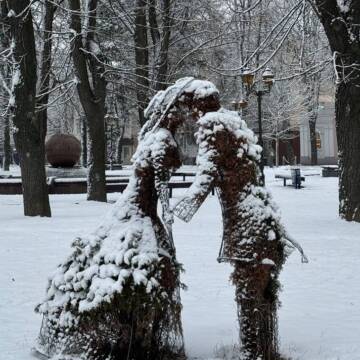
column 117, row 295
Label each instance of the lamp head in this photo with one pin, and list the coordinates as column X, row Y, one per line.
column 268, row 77
column 247, row 77
column 243, row 103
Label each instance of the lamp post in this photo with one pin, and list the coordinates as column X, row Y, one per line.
column 254, row 88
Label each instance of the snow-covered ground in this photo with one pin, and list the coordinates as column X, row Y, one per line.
column 320, row 314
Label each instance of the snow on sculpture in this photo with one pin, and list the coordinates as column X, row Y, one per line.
column 254, row 241
column 116, row 296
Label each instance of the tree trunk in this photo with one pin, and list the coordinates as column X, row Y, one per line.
column 45, row 74
column 92, row 94
column 313, row 147
column 7, row 144
column 5, row 44
column 313, row 109
column 277, row 152
column 161, row 41
column 31, row 150
column 347, row 109
column 96, row 162
column 119, row 149
column 141, row 58
column 29, row 136
column 341, row 28
column 84, row 146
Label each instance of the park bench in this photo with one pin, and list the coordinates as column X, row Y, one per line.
column 330, row 171
column 183, row 174
column 294, row 176
column 114, row 183
column 10, row 176
column 118, row 185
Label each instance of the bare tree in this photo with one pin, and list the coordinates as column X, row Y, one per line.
column 88, row 62
column 283, row 114
column 161, row 40
column 5, row 74
column 311, row 50
column 341, row 23
column 312, row 99
column 49, row 9
column 141, row 57
column 30, row 130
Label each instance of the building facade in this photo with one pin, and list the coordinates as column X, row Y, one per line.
column 327, row 149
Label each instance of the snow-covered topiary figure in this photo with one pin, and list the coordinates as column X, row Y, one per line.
column 254, row 241
column 116, row 296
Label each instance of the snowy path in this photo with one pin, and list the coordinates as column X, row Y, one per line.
column 320, row 316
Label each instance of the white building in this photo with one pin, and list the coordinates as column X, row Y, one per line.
column 326, row 135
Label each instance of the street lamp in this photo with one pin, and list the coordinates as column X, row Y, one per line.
column 239, row 105
column 268, row 78
column 259, row 90
column 248, row 77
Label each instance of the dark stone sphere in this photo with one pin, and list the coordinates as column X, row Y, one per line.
column 63, row 150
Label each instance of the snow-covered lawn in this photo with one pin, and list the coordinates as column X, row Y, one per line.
column 320, row 314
